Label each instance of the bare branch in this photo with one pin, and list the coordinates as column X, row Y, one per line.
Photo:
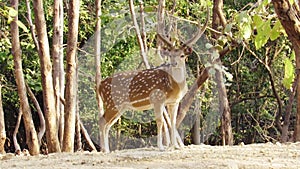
column 194, row 39
column 142, row 15
column 271, row 76
column 32, row 30
column 16, row 144
column 138, row 34
column 86, row 136
column 42, row 127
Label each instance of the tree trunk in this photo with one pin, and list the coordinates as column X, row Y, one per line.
column 31, row 135
column 218, row 16
column 189, row 96
column 61, row 75
column 47, row 81
column 160, row 24
column 226, row 130
column 98, row 56
column 58, row 70
column 2, row 124
column 15, row 140
column 87, row 137
column 98, row 60
column 289, row 17
column 195, row 129
column 77, row 132
column 297, row 128
column 71, row 80
column 289, row 107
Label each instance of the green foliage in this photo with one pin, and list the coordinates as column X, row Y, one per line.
column 252, row 103
column 243, row 22
column 289, row 72
column 263, row 31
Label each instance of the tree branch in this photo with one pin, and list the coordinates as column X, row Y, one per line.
column 138, row 34
column 42, row 127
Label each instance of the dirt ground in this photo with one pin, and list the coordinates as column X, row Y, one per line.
column 266, row 155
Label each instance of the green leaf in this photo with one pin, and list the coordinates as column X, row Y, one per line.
column 243, row 17
column 260, row 40
column 22, row 26
column 149, row 9
column 292, row 1
column 288, row 73
column 244, row 22
column 107, row 32
column 228, row 28
column 12, row 12
column 257, row 21
column 275, row 32
column 293, row 56
column 246, row 31
column 263, row 34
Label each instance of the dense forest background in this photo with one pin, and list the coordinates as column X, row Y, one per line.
column 258, row 68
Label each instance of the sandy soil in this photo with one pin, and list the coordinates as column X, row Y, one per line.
column 202, row 156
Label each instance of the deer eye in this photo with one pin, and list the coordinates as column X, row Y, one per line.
column 182, row 56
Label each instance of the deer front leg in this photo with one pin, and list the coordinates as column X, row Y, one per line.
column 172, row 109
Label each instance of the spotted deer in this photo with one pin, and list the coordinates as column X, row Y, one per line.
column 147, row 89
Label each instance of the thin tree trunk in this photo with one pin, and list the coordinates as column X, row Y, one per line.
column 57, row 57
column 196, row 126
column 77, row 131
column 190, row 95
column 289, row 17
column 15, row 140
column 2, row 124
column 32, row 31
column 61, row 75
column 98, row 60
column 160, row 24
column 31, row 135
column 289, row 107
column 47, row 81
column 138, row 34
column 42, row 127
column 71, row 91
column 143, row 27
column 226, row 129
column 196, row 135
column 87, row 137
column 77, row 121
column 297, row 128
column 98, row 56
column 218, row 16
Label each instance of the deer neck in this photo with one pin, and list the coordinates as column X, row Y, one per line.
column 178, row 74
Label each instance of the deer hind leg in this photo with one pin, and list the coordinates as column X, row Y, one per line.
column 104, row 130
column 158, row 110
column 105, row 126
column 157, row 99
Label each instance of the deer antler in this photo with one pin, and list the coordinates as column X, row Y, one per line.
column 166, row 41
column 194, row 39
